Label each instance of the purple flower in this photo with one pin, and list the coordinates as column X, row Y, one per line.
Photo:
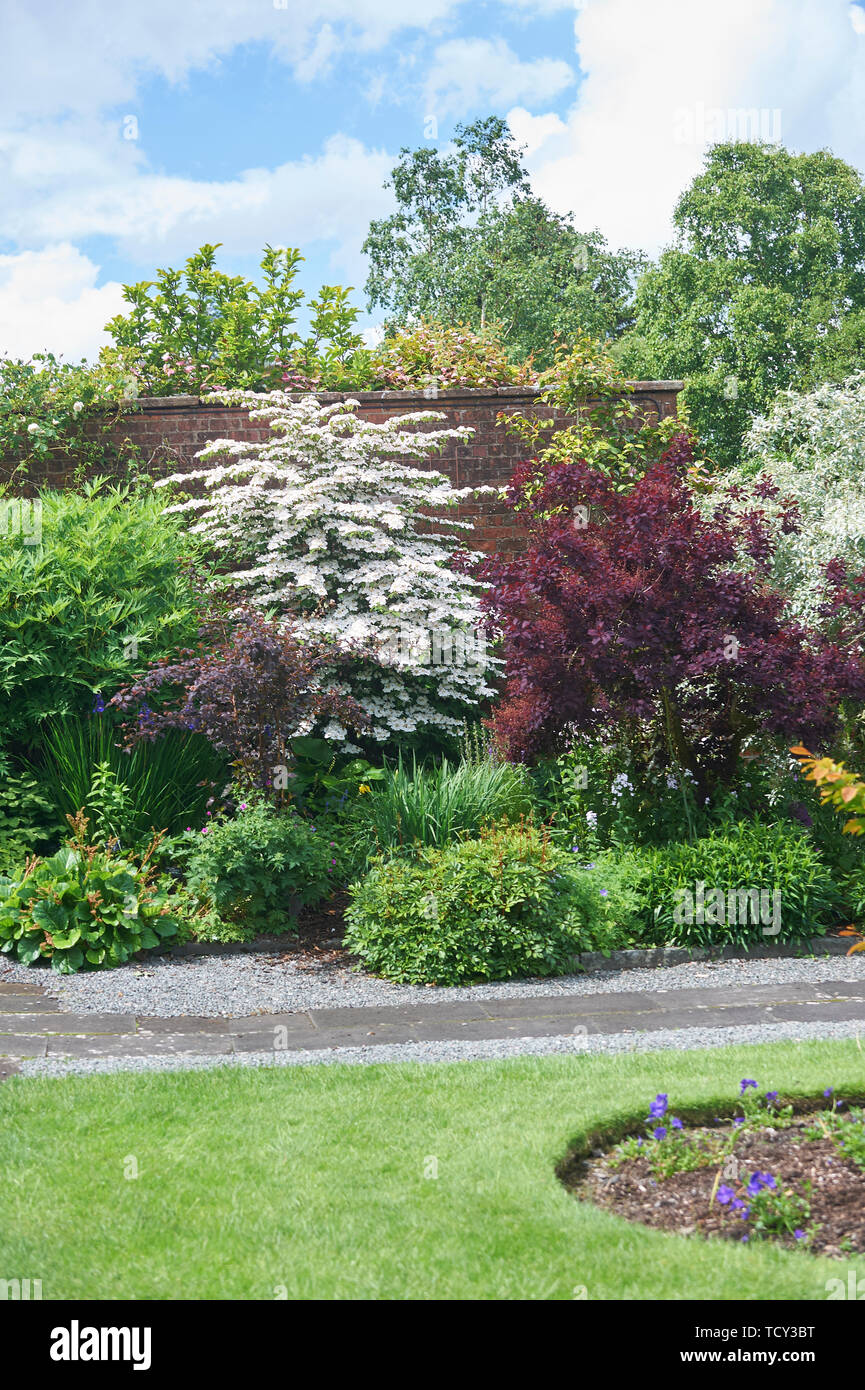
column 675, row 1123
column 829, row 1091
column 725, row 1195
column 772, row 1096
column 658, row 1106
column 659, row 1133
column 575, row 849
column 604, row 892
column 745, row 1239
column 739, row 1120
column 759, row 1181
column 737, row 1204
column 98, row 704
column 745, row 1083
column 799, row 1234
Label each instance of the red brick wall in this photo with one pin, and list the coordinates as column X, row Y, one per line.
column 169, row 431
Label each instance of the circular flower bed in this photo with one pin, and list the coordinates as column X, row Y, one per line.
column 794, row 1174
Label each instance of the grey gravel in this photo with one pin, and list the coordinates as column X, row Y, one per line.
column 680, row 1039
column 251, row 983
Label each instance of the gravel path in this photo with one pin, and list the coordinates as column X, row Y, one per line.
column 456, row 1051
column 243, row 984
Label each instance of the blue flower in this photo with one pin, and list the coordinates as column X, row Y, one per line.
column 659, row 1133
column 658, row 1107
column 799, row 1234
column 759, row 1181
column 829, row 1091
column 744, row 1084
column 676, row 1123
column 772, row 1096
column 604, row 892
column 725, row 1194
column 98, row 704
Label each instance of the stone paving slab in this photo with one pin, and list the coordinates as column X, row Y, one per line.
column 27, row 1032
column 15, row 1045
column 135, row 1045
column 32, row 1003
column 66, row 1023
column 184, row 1024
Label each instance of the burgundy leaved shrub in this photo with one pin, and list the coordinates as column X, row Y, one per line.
column 627, row 613
column 250, row 686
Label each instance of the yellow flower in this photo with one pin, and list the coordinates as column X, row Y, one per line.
column 363, row 787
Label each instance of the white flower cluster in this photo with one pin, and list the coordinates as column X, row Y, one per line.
column 322, row 520
column 812, row 445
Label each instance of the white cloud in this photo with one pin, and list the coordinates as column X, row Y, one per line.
column 49, row 299
column 647, row 68
column 531, row 132
column 470, row 73
column 331, row 196
column 83, row 57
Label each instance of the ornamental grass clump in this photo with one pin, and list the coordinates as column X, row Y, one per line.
column 328, row 522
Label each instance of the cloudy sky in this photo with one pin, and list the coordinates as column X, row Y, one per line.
column 131, row 131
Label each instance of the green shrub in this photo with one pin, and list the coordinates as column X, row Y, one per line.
column 432, row 805
column 28, row 821
column 259, row 869
column 91, row 590
column 165, row 784
column 83, row 908
column 778, row 862
column 508, row 903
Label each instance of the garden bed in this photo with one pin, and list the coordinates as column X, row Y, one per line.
column 797, row 1181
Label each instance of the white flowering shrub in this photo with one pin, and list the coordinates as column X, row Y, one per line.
column 321, row 521
column 812, row 445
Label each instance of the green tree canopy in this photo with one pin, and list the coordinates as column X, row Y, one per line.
column 470, row 243
column 763, row 290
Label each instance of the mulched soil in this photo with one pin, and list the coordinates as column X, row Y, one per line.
column 319, row 937
column 682, row 1203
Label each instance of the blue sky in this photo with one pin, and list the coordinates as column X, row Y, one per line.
column 258, row 122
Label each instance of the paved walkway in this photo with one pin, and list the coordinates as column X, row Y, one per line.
column 32, row 1024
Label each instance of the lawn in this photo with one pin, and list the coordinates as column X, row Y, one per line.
column 316, row 1182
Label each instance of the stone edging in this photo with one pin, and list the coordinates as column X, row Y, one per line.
column 635, row 958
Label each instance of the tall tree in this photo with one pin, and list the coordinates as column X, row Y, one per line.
column 763, row 289
column 470, row 243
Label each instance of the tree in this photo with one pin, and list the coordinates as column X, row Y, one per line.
column 470, row 243
column 627, row 612
column 764, row 288
column 323, row 522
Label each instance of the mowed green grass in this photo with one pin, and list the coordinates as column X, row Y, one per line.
column 315, row 1182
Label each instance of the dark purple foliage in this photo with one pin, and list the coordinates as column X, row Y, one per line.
column 248, row 688
column 627, row 610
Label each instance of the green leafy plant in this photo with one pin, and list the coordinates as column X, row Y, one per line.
column 100, row 593
column 28, row 818
column 507, row 903
column 60, row 410
column 609, row 432
column 199, row 327
column 83, row 908
column 749, row 884
column 259, row 869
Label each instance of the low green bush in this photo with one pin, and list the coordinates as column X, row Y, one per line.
column 258, row 870
column 708, row 893
column 91, row 589
column 28, row 820
column 83, row 909
column 507, row 903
